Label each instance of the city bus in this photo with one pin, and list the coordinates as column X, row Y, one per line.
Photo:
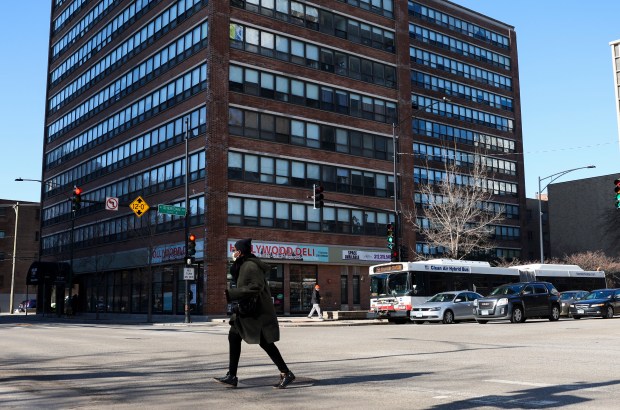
column 396, row 286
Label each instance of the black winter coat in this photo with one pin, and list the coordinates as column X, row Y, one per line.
column 253, row 280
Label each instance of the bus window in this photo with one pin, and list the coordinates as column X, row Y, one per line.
column 378, row 285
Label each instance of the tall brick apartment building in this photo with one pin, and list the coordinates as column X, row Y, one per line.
column 274, row 96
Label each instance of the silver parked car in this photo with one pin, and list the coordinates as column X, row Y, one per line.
column 447, row 307
column 568, row 297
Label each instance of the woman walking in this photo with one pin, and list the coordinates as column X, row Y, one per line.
column 255, row 323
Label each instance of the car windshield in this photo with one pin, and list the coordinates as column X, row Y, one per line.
column 507, row 290
column 442, row 297
column 599, row 294
column 568, row 295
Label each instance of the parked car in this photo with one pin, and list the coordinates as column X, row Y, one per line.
column 568, row 297
column 29, row 304
column 602, row 302
column 519, row 301
column 447, row 307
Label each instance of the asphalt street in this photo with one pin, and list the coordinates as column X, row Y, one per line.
column 75, row 364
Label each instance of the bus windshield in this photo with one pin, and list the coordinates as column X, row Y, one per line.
column 397, row 284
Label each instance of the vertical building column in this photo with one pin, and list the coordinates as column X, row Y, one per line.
column 216, row 153
column 406, row 232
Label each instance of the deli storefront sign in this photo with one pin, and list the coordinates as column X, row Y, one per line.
column 294, row 252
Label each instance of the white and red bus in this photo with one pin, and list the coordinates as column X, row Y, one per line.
column 396, row 286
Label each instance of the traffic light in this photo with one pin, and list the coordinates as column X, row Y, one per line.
column 76, row 200
column 395, row 257
column 191, row 244
column 318, row 196
column 617, row 190
column 391, row 242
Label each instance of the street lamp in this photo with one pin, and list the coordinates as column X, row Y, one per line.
column 394, row 137
column 553, row 177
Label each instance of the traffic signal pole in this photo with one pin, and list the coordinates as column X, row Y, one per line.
column 187, row 317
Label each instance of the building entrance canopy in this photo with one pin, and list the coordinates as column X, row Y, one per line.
column 40, row 272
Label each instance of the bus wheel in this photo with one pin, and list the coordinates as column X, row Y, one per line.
column 448, row 317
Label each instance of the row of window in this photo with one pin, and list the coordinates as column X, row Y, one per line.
column 321, row 20
column 458, row 25
column 508, row 210
column 441, row 40
column 159, row 100
column 181, row 49
column 163, row 177
column 171, row 15
column 137, row 149
column 501, row 232
column 452, row 88
column 502, row 253
column 99, row 39
column 195, row 38
column 449, row 110
column 433, row 176
column 277, row 128
column 459, row 68
column 313, row 95
column 255, row 168
column 382, row 7
column 302, row 217
column 183, row 86
column 460, row 158
column 310, row 55
column 60, row 21
column 463, row 136
column 122, row 228
column 85, row 24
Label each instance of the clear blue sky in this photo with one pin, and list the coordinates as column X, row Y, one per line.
column 567, row 96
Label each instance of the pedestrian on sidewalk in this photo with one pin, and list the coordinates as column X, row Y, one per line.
column 316, row 302
column 254, row 323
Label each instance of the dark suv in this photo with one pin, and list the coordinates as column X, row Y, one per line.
column 519, row 301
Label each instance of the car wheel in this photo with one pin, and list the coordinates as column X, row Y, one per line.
column 448, row 317
column 609, row 313
column 576, row 317
column 517, row 315
column 482, row 322
column 555, row 313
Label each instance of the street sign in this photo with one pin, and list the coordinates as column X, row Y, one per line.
column 188, row 273
column 139, row 206
column 171, row 210
column 111, row 203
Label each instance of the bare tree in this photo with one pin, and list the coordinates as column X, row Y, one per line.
column 456, row 215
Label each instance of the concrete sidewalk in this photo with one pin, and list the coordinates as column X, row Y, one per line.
column 169, row 320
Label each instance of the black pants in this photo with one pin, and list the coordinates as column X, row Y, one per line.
column 234, row 343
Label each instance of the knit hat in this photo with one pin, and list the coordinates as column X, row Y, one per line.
column 244, row 246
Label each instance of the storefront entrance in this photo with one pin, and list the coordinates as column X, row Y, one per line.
column 303, row 279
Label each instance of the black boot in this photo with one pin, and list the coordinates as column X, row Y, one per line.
column 285, row 380
column 228, row 379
